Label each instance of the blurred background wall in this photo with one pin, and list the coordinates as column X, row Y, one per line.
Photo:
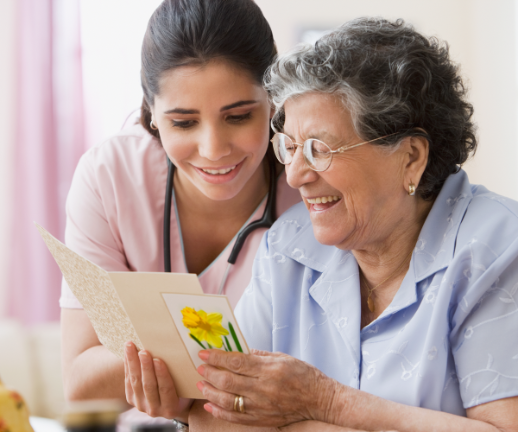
column 482, row 36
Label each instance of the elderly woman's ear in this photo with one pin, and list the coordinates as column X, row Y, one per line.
column 415, row 150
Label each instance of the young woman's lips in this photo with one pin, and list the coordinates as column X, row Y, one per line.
column 219, row 178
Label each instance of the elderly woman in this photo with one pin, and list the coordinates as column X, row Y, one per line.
column 392, row 290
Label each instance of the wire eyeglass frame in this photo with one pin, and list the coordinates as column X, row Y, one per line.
column 307, row 146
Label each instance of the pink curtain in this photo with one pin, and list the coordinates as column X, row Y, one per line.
column 49, row 142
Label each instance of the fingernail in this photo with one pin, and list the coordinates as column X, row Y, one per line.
column 204, row 355
column 157, row 363
column 208, row 408
column 128, row 345
column 143, row 355
column 199, row 384
column 201, row 369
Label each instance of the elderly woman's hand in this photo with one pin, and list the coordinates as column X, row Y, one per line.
column 277, row 389
column 150, row 387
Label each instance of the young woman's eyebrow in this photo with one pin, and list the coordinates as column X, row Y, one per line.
column 181, row 111
column 238, row 104
column 194, row 111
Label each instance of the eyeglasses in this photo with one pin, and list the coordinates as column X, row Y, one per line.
column 317, row 154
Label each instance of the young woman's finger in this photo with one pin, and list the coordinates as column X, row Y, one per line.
column 167, row 390
column 149, row 384
column 134, row 368
column 127, row 383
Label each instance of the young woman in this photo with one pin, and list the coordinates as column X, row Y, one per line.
column 205, row 110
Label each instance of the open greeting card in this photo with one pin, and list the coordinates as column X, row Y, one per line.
column 165, row 313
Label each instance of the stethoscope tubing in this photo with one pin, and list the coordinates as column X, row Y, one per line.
column 167, row 216
column 266, row 220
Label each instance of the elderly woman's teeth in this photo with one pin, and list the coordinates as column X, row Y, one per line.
column 221, row 171
column 322, row 200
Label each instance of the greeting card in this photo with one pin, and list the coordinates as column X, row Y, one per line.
column 165, row 313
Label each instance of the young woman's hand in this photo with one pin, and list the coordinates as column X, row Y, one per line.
column 150, row 387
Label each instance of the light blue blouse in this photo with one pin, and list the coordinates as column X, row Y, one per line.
column 449, row 339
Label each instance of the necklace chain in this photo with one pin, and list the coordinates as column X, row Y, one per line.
column 370, row 302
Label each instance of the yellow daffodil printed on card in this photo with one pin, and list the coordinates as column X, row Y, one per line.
column 207, row 327
column 205, row 322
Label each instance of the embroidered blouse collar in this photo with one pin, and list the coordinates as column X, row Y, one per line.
column 436, row 245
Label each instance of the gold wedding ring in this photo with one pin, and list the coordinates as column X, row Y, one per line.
column 239, row 404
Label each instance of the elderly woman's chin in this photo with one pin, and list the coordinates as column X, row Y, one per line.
column 332, row 227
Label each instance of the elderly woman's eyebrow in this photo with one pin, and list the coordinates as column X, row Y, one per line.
column 323, row 135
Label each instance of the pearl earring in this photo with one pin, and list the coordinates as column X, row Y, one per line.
column 411, row 189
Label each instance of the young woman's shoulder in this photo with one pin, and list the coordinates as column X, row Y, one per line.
column 128, row 163
column 130, row 149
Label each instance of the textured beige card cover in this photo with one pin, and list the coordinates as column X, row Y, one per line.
column 125, row 306
column 95, row 291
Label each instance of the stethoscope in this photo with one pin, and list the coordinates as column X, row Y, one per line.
column 266, row 221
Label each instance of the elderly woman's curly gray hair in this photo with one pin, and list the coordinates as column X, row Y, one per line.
column 393, row 80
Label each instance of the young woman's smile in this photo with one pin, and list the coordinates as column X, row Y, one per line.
column 220, row 175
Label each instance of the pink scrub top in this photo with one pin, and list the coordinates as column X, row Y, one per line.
column 115, row 211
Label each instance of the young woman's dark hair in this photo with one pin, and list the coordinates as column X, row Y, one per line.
column 187, row 32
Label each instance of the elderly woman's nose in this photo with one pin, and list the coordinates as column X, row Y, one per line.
column 214, row 144
column 297, row 172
